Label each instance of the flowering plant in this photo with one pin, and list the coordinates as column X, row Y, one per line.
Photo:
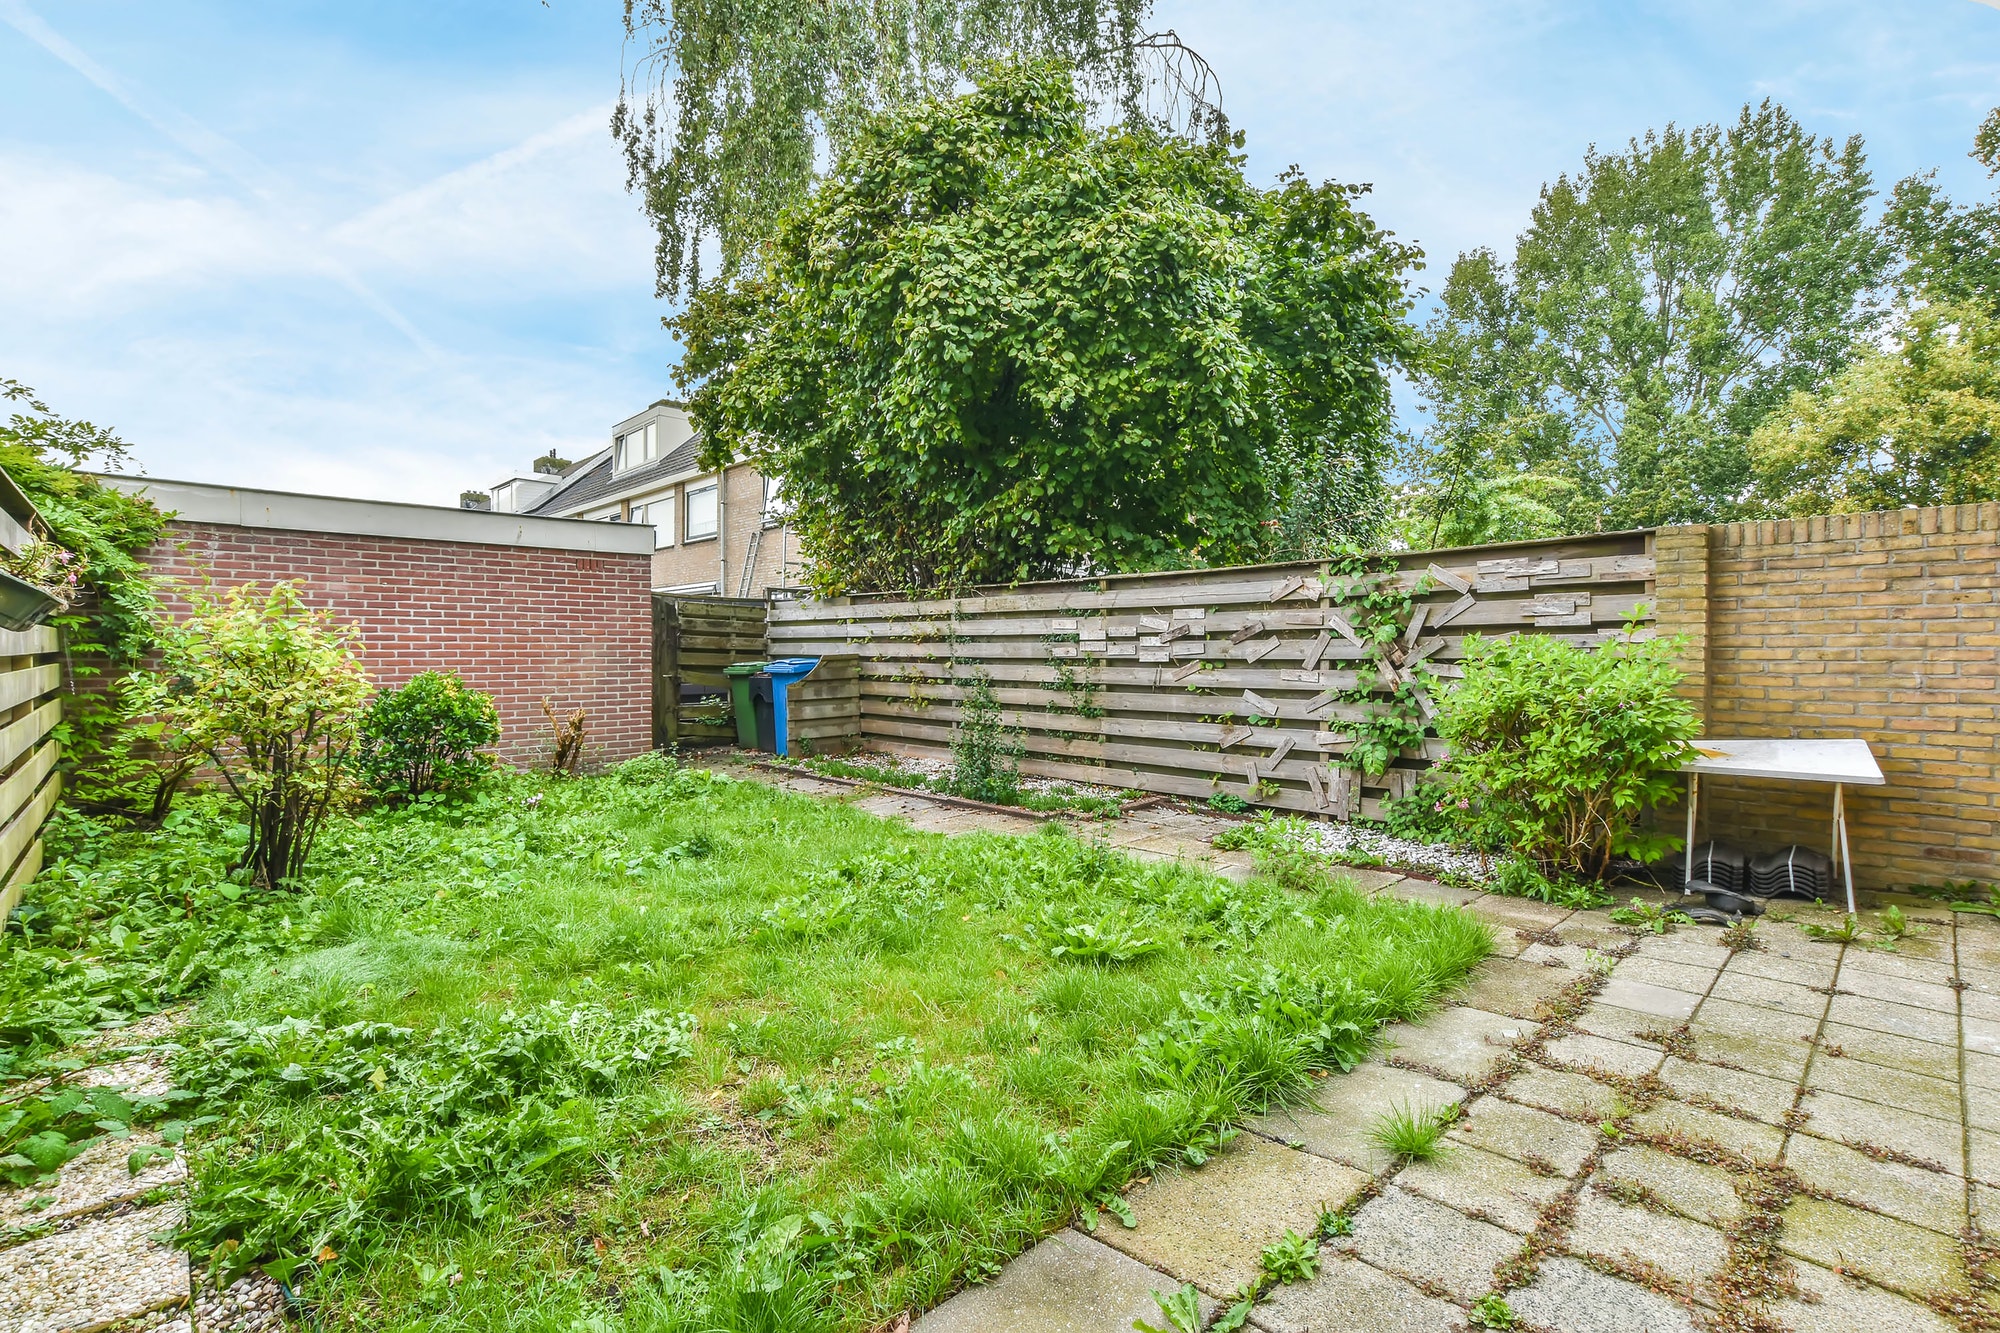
column 46, row 565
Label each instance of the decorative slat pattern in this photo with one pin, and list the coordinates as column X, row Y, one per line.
column 1193, row 683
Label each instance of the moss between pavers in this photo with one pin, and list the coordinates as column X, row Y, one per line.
column 1705, row 1193
column 1689, row 1253
column 1522, row 1133
column 1891, row 1253
column 1906, row 1192
column 1484, row 1185
column 1431, row 1242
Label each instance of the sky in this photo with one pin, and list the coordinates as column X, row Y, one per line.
column 384, row 249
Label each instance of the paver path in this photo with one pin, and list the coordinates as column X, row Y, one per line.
column 1657, row 1134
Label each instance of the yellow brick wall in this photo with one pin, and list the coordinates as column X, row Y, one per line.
column 1884, row 626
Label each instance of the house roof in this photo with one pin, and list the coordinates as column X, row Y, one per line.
column 593, row 481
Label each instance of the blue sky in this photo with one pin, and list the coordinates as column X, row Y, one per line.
column 384, row 249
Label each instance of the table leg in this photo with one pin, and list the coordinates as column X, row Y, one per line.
column 1846, row 857
column 1687, row 848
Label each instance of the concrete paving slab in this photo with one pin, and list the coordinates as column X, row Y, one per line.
column 1934, row 995
column 1888, row 1252
column 1462, row 1044
column 1792, row 998
column 96, row 1179
column 1587, row 1051
column 1689, row 1252
column 1363, row 880
column 1604, row 1019
column 1405, row 1234
column 1577, row 958
column 1348, row 1296
column 1563, row 1093
column 1984, row 1155
column 1210, row 1226
column 1857, row 1122
column 1930, row 1058
column 1704, row 1193
column 1644, row 997
column 1524, row 1134
column 1664, row 972
column 1338, row 1121
column 1067, row 1284
column 1765, row 1098
column 1845, row 1305
column 1910, row 1193
column 1903, row 962
column 1749, row 1138
column 1519, row 913
column 1770, row 1056
column 1514, row 987
column 1778, row 965
column 1982, row 1071
column 1575, row 1298
column 1483, row 1185
column 1982, row 1035
column 1694, row 947
column 1917, row 1093
column 1901, row 1019
column 1430, row 891
column 1732, row 1016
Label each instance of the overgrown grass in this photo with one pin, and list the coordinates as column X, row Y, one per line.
column 676, row 1052
column 1414, row 1134
column 889, row 772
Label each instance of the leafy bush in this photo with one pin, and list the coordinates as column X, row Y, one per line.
column 269, row 691
column 1519, row 877
column 985, row 756
column 427, row 736
column 1570, row 747
column 1434, row 814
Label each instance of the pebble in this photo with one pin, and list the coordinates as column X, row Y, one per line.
column 250, row 1304
column 104, row 1269
column 1401, row 852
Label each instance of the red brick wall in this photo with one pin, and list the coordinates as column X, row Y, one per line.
column 518, row 623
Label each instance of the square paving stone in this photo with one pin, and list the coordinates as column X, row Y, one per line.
column 1844, row 1305
column 1362, row 880
column 1413, row 1236
column 105, row 1269
column 1512, row 987
column 1682, row 977
column 1985, row 1163
column 1338, row 1121
column 1888, row 1252
column 1644, row 997
column 1067, row 1284
column 1933, row 995
column 1857, row 1122
column 1576, row 958
column 1561, row 1092
column 1348, row 1296
column 1575, row 1298
column 1934, row 969
column 1765, row 1098
column 1982, row 1071
column 1748, row 1138
column 1519, row 913
column 1935, row 1059
column 1463, row 1044
column 1705, row 1193
column 1210, row 1226
column 1773, row 1057
column 1522, row 1133
column 1979, row 1003
column 1907, row 1192
column 1616, row 1057
column 1689, row 1252
column 1817, row 970
column 1765, row 993
column 1604, row 1019
column 1696, row 948
column 1733, row 1016
column 1982, row 1035
column 1904, row 1020
column 1498, row 1189
column 1978, row 942
column 1918, row 1093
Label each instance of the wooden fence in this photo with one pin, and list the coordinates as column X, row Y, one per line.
column 1192, row 683
column 693, row 639
column 31, row 680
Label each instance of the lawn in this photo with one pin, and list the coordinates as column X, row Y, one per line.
column 666, row 1051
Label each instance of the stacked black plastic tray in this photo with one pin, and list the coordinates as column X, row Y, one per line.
column 1722, row 864
column 1792, row 872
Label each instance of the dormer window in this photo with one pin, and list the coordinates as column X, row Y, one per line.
column 637, row 446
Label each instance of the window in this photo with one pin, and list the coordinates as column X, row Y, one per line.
column 618, row 454
column 774, row 502
column 639, row 446
column 701, row 511
column 659, row 513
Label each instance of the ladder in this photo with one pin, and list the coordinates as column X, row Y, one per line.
column 750, row 561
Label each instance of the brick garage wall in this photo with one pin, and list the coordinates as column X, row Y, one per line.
column 1884, row 626
column 517, row 622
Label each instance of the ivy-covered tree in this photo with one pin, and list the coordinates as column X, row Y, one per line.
column 1660, row 304
column 998, row 344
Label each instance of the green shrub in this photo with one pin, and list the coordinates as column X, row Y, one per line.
column 1519, row 877
column 268, row 691
column 1570, row 747
column 427, row 736
column 985, row 755
column 1434, row 814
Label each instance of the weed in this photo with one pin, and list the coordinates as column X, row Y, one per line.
column 1182, row 1310
column 1228, row 803
column 1847, row 932
column 1492, row 1311
column 1333, row 1224
column 1892, row 926
column 1291, row 1258
column 1413, row 1135
column 985, row 755
column 1521, row 878
column 1651, row 916
column 1742, row 936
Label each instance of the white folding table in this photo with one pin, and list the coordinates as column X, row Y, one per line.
column 1843, row 763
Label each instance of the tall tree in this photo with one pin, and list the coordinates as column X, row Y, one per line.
column 1661, row 302
column 730, row 105
column 998, row 344
column 1952, row 253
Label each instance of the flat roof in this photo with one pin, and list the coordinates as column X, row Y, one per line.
column 291, row 511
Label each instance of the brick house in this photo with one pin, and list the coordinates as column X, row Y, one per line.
column 715, row 532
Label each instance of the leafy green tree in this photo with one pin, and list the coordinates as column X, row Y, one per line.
column 1661, row 302
column 1915, row 422
column 997, row 344
column 730, row 104
column 1952, row 253
column 269, row 691
column 428, row 736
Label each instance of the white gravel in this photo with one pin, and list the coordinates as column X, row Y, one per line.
column 251, row 1304
column 106, row 1269
column 94, row 1180
column 1401, row 852
column 927, row 767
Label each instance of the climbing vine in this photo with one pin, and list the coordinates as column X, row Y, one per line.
column 1363, row 590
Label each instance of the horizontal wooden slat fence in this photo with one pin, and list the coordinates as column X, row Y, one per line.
column 30, row 676
column 1203, row 681
column 693, row 639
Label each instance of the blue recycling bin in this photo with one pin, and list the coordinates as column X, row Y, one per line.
column 785, row 672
